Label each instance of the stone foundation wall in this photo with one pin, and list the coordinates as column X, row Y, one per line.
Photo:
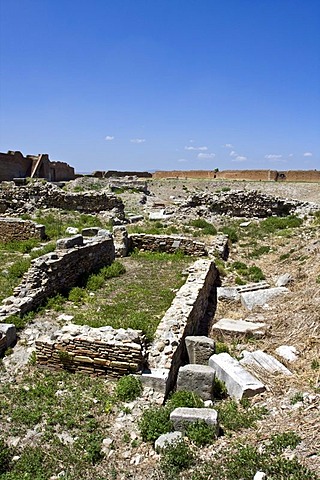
column 46, row 195
column 191, row 313
column 17, row 229
column 95, row 351
column 117, row 173
column 57, row 272
column 166, row 243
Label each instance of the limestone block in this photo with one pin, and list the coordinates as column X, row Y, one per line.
column 284, row 280
column 228, row 293
column 261, row 297
column 263, row 360
column 9, row 330
column 288, row 352
column 198, row 379
column 64, row 243
column 238, row 381
column 239, row 327
column 166, row 440
column 155, row 378
column 200, row 349
column 181, row 416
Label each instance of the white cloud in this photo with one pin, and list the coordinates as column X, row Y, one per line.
column 233, row 154
column 109, row 138
column 239, row 158
column 273, row 157
column 191, row 141
column 290, row 155
column 137, row 140
column 206, row 155
column 182, row 160
column 198, row 149
column 228, row 145
column 307, row 154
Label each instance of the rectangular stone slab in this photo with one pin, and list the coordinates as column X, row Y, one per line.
column 181, row 416
column 239, row 327
column 259, row 298
column 263, row 360
column 238, row 381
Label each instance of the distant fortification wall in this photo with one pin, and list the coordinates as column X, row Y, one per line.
column 117, row 173
column 250, row 175
column 15, row 165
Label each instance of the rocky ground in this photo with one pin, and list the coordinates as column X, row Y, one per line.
column 293, row 402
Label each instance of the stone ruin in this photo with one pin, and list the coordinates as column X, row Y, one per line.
column 17, row 229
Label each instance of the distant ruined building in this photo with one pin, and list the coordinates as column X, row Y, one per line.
column 253, row 175
column 14, row 165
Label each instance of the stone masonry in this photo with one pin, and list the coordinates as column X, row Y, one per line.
column 95, row 351
column 55, row 272
column 166, row 243
column 17, row 229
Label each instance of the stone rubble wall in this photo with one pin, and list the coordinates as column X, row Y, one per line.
column 57, row 272
column 40, row 194
column 118, row 174
column 239, row 203
column 17, row 229
column 94, row 351
column 194, row 302
column 166, row 243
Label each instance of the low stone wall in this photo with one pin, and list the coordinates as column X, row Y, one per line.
column 17, row 229
column 95, row 351
column 166, row 243
column 191, row 313
column 118, row 173
column 57, row 272
column 47, row 195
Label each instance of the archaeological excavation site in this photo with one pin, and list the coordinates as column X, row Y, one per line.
column 158, row 326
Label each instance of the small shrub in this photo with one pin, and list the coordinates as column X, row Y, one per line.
column 258, row 252
column 154, row 422
column 221, row 347
column 175, row 458
column 297, row 397
column 33, row 358
column 183, row 398
column 19, row 268
column 128, row 388
column 56, row 303
column 284, row 440
column 206, row 227
column 315, row 364
column 200, row 433
column 232, row 234
column 235, row 417
column 219, row 389
column 113, row 270
column 77, row 295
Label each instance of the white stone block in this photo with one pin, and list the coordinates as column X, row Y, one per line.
column 264, row 361
column 261, row 297
column 166, row 440
column 183, row 415
column 239, row 327
column 198, row 379
column 238, row 381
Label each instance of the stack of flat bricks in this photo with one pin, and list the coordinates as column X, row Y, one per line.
column 93, row 351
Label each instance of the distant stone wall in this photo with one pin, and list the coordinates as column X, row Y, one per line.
column 14, row 165
column 166, row 243
column 191, row 313
column 57, row 272
column 117, row 173
column 17, row 229
column 250, row 175
column 41, row 194
column 94, row 351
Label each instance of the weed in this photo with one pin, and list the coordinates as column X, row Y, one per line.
column 315, row 364
column 200, row 433
column 234, row 417
column 284, row 440
column 175, row 458
column 77, row 295
column 297, row 397
column 258, row 252
column 231, row 232
column 128, row 388
column 206, row 227
column 219, row 389
column 154, row 422
column 183, row 398
column 221, row 347
column 8, row 351
column 5, row 457
column 32, row 358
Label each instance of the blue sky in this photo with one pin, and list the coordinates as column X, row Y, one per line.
column 162, row 84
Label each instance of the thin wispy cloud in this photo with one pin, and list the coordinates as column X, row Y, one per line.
column 290, row 155
column 239, row 158
column 137, row 140
column 272, row 156
column 228, row 145
column 109, row 138
column 233, row 154
column 206, row 155
column 307, row 154
column 197, row 149
column 182, row 160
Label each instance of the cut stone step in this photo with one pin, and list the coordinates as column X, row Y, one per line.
column 181, row 416
column 264, row 361
column 238, row 381
column 198, row 379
